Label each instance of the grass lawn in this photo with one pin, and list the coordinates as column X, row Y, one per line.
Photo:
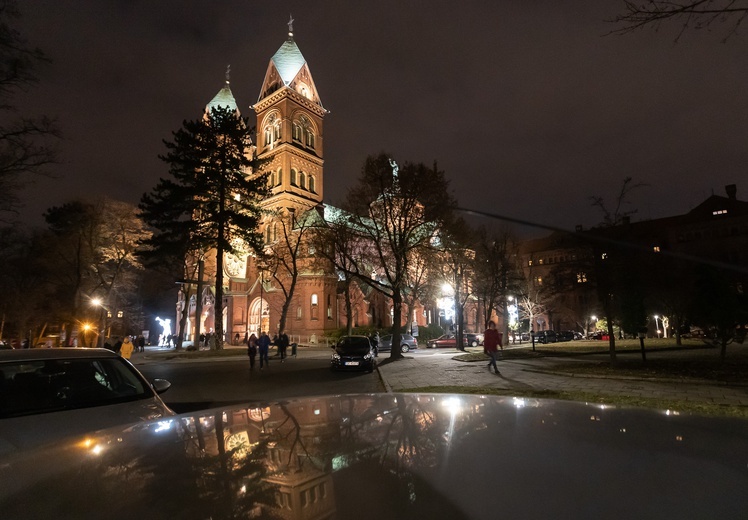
column 693, row 360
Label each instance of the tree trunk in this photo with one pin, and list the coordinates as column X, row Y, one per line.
column 611, row 335
column 218, row 303
column 397, row 306
column 287, row 303
column 348, row 309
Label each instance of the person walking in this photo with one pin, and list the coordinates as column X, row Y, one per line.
column 492, row 340
column 282, row 343
column 126, row 349
column 263, row 345
column 252, row 350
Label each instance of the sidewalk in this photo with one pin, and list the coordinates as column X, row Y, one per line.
column 420, row 371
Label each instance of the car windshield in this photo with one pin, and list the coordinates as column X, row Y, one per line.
column 353, row 346
column 40, row 386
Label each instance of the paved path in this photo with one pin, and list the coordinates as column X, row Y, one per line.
column 419, row 370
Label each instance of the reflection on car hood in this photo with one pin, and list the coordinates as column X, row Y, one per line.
column 391, row 456
column 30, row 431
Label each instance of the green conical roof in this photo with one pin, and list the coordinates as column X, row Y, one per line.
column 288, row 60
column 224, row 98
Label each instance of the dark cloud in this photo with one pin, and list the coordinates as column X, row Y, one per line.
column 527, row 105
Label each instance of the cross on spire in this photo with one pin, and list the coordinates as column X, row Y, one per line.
column 228, row 73
column 290, row 26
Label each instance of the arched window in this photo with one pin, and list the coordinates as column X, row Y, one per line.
column 315, row 307
column 312, row 184
column 298, row 312
column 267, row 233
column 302, row 180
column 272, row 130
column 279, row 177
column 303, row 131
column 329, row 307
column 314, row 299
column 293, row 177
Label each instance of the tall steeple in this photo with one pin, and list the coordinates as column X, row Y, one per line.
column 224, row 98
column 289, row 127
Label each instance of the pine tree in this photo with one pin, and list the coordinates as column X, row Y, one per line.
column 212, row 200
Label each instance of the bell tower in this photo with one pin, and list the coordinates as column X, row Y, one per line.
column 290, row 129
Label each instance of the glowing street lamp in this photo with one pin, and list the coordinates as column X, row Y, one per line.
column 657, row 325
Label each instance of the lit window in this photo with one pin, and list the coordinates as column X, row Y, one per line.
column 656, row 249
column 540, row 261
column 581, row 277
column 720, row 212
column 120, row 314
column 538, row 280
column 604, row 256
column 314, row 299
column 529, row 262
column 272, row 130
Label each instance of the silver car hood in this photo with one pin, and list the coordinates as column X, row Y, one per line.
column 391, row 456
column 31, row 431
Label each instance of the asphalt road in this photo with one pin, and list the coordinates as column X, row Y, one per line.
column 196, row 385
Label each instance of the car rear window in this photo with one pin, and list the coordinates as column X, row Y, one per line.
column 40, row 386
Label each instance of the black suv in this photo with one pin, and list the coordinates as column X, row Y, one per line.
column 545, row 336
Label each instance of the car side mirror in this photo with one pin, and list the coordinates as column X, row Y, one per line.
column 160, row 385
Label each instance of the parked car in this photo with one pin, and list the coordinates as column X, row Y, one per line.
column 353, row 353
column 545, row 336
column 474, row 339
column 407, row 343
column 446, row 341
column 48, row 394
column 565, row 335
column 207, row 468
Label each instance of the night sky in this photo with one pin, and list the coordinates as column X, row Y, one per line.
column 528, row 106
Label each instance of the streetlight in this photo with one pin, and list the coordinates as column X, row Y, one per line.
column 657, row 324
column 86, row 328
column 97, row 302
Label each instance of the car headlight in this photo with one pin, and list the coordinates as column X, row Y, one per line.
column 336, row 357
column 368, row 356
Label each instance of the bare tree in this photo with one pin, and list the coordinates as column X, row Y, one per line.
column 287, row 253
column 25, row 145
column 691, row 14
column 396, row 211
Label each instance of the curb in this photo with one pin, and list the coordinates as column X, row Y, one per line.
column 387, row 387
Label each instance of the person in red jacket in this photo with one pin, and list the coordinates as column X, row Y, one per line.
column 492, row 340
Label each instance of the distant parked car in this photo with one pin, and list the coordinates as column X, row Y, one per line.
column 446, row 341
column 474, row 339
column 565, row 335
column 353, row 353
column 407, row 342
column 545, row 336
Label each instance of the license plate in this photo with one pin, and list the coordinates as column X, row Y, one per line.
column 351, row 363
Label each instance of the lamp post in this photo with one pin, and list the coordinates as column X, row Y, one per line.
column 102, row 320
column 657, row 324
